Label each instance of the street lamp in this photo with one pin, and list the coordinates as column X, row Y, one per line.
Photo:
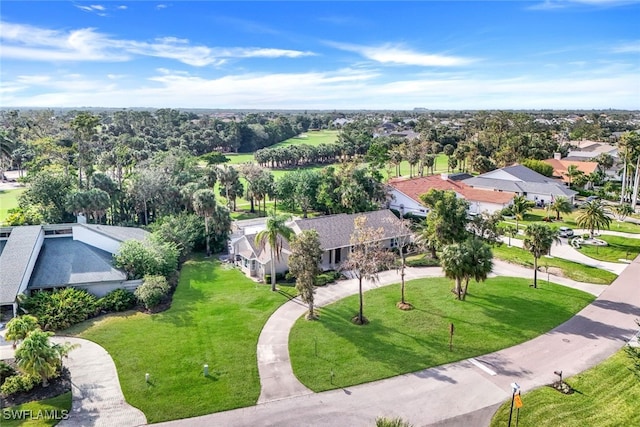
column 515, row 387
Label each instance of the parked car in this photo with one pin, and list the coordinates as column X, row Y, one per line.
column 565, row 232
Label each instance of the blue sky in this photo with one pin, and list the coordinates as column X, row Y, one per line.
column 564, row 54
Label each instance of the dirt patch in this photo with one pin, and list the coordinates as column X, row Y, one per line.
column 404, row 306
column 554, row 271
column 562, row 387
column 56, row 387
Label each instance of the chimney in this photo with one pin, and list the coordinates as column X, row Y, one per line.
column 81, row 219
column 557, row 156
column 444, row 176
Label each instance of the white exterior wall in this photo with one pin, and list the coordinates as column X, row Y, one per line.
column 476, row 207
column 405, row 204
column 100, row 289
column 96, row 240
column 32, row 263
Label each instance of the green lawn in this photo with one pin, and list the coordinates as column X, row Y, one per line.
column 54, row 406
column 569, row 220
column 215, row 318
column 572, row 270
column 8, row 200
column 618, row 248
column 309, row 138
column 607, row 395
column 500, row 313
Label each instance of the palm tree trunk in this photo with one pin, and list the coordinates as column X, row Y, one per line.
column 535, row 271
column 624, row 179
column 636, row 181
column 273, row 270
column 466, row 287
column 402, row 277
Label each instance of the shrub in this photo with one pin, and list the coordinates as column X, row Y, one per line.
column 118, row 300
column 423, row 262
column 62, row 308
column 152, row 291
column 325, row 278
column 19, row 383
column 6, row 371
column 280, row 277
column 392, row 422
column 506, row 211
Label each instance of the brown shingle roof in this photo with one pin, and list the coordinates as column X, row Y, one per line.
column 560, row 167
column 414, row 187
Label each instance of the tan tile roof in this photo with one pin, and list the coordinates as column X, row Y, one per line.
column 414, row 187
column 560, row 167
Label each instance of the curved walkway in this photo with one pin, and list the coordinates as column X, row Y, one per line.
column 461, row 393
column 97, row 396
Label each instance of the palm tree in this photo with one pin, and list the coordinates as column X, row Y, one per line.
column 19, row 327
column 510, row 231
column 478, row 262
column 204, row 203
column 593, row 217
column 36, row 356
column 276, row 231
column 573, row 172
column 561, row 205
column 520, row 206
column 538, row 240
column 622, row 211
column 452, row 260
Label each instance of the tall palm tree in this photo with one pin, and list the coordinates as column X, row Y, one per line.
column 593, row 217
column 36, row 356
column 561, row 205
column 276, row 231
column 538, row 239
column 573, row 172
column 204, row 203
column 520, row 206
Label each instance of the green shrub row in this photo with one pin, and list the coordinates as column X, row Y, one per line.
column 425, row 261
column 63, row 308
column 327, row 277
column 6, row 371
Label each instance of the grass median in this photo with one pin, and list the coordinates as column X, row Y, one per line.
column 499, row 313
column 215, row 318
column 618, row 248
column 606, row 395
column 558, row 266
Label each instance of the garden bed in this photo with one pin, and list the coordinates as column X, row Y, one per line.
column 56, row 387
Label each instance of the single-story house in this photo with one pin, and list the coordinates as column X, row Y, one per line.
column 62, row 255
column 561, row 167
column 335, row 234
column 524, row 182
column 405, row 194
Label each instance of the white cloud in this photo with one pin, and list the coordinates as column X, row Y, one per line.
column 162, row 6
column 31, row 43
column 632, row 47
column 340, row 89
column 398, row 55
column 122, row 7
column 561, row 4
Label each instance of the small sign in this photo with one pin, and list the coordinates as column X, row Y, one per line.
column 518, row 401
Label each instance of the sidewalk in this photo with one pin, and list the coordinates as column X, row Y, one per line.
column 462, row 393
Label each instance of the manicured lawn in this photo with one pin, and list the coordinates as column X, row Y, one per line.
column 618, row 248
column 570, row 269
column 308, row 138
column 607, row 395
column 500, row 313
column 215, row 318
column 8, row 200
column 53, row 406
column 569, row 220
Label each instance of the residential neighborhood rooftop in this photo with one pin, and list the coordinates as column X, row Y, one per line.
column 64, row 261
column 15, row 258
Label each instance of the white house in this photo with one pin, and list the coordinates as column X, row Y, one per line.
column 334, row 232
column 405, row 194
column 522, row 181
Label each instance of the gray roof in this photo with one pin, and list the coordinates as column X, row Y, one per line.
column 65, row 261
column 335, row 230
column 2, row 244
column 523, row 173
column 550, row 187
column 14, row 260
column 120, row 234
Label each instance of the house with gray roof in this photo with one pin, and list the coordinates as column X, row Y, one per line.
column 61, row 255
column 335, row 240
column 524, row 182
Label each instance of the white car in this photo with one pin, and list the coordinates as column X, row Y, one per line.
column 565, row 232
